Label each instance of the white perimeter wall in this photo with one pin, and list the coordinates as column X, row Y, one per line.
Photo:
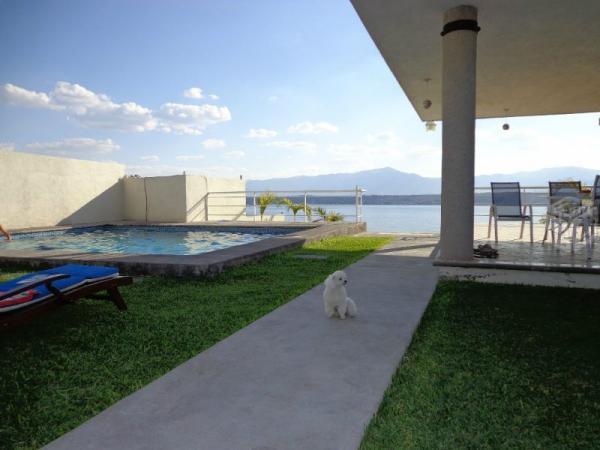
column 37, row 190
column 182, row 198
column 221, row 206
column 40, row 191
column 164, row 197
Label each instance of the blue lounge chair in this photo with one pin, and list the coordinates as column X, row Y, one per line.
column 31, row 295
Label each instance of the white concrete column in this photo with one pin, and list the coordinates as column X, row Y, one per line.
column 459, row 44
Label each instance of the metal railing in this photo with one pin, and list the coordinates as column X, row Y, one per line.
column 536, row 196
column 245, row 205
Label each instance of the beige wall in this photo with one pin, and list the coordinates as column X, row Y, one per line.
column 165, row 198
column 226, row 206
column 196, row 189
column 38, row 190
column 134, row 199
column 182, row 198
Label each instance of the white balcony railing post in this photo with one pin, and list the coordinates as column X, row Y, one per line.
column 206, row 207
column 305, row 208
column 356, row 194
column 361, row 205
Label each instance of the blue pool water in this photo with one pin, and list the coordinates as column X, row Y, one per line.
column 141, row 240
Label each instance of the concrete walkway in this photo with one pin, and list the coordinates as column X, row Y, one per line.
column 292, row 380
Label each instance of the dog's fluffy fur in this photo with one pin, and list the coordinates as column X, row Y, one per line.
column 335, row 298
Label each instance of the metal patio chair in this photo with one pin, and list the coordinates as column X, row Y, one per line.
column 560, row 195
column 506, row 206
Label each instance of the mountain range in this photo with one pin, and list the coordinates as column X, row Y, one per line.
column 389, row 181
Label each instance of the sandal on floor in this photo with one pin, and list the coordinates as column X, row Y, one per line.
column 485, row 251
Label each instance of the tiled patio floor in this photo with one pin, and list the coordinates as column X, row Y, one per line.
column 537, row 256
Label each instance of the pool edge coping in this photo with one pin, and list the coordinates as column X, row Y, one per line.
column 205, row 264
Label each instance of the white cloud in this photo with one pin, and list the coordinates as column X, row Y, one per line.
column 235, row 154
column 189, row 157
column 213, row 144
column 261, row 133
column 213, row 96
column 99, row 111
column 193, row 92
column 150, row 158
column 312, row 128
column 190, row 119
column 273, row 98
column 74, row 147
column 15, row 95
column 293, row 145
column 90, row 109
column 7, row 146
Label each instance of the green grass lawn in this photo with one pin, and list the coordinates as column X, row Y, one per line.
column 497, row 367
column 68, row 366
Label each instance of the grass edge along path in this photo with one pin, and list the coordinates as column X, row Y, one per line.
column 68, row 366
column 497, row 366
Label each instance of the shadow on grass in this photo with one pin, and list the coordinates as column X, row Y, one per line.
column 71, row 364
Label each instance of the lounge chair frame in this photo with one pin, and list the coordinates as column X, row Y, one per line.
column 91, row 290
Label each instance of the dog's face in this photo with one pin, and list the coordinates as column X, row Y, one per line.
column 337, row 279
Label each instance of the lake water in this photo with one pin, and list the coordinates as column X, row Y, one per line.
column 400, row 218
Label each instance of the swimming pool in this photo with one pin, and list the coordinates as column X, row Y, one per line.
column 156, row 240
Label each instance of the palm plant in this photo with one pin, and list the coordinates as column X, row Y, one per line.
column 264, row 200
column 296, row 207
column 308, row 211
column 329, row 216
column 334, row 217
column 322, row 213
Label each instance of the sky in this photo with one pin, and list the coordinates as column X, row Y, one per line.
column 263, row 88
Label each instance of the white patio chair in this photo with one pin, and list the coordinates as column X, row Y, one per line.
column 562, row 195
column 596, row 204
column 568, row 215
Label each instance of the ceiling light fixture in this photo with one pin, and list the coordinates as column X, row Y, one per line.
column 430, row 124
column 506, row 126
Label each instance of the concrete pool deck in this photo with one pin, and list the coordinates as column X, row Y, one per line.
column 205, row 264
column 293, row 379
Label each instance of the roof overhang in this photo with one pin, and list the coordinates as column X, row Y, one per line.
column 534, row 57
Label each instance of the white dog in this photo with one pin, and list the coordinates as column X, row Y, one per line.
column 335, row 298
